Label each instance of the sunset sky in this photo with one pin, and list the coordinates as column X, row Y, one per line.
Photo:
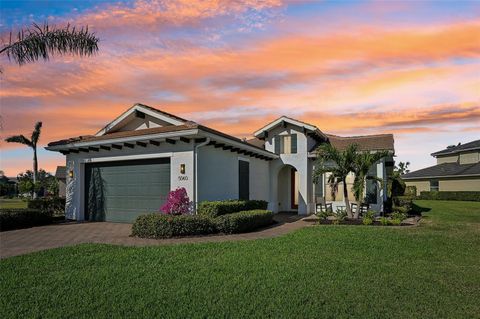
column 410, row 68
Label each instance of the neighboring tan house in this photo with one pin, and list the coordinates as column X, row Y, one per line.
column 129, row 166
column 61, row 176
column 457, row 169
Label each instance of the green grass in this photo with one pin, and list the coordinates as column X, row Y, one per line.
column 429, row 271
column 13, row 203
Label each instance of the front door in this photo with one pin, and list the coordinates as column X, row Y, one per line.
column 294, row 188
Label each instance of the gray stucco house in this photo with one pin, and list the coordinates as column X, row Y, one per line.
column 130, row 165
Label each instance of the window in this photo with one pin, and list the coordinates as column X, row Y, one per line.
column 286, row 144
column 434, row 186
column 243, row 180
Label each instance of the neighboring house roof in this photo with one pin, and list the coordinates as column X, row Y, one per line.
column 470, row 146
column 61, row 172
column 445, row 170
column 380, row 142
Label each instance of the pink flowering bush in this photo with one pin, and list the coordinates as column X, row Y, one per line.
column 177, row 203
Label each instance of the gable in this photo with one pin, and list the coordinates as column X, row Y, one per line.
column 140, row 117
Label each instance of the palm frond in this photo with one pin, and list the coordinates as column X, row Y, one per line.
column 38, row 42
column 21, row 139
column 36, row 133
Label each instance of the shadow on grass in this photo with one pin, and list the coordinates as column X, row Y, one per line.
column 418, row 210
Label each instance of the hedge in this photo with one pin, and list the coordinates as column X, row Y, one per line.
column 55, row 205
column 217, row 208
column 166, row 226
column 243, row 222
column 16, row 218
column 441, row 195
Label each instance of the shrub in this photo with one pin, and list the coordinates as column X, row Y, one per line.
column 177, row 203
column 411, row 191
column 384, row 221
column 218, row 208
column 16, row 218
column 245, row 221
column 166, row 226
column 341, row 214
column 53, row 205
column 369, row 217
column 395, row 221
column 399, row 215
column 465, row 196
column 367, row 221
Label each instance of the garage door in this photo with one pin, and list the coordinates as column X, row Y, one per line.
column 120, row 191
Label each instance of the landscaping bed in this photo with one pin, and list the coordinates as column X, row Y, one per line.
column 213, row 218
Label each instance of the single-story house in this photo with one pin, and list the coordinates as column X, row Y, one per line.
column 61, row 176
column 130, row 165
column 457, row 169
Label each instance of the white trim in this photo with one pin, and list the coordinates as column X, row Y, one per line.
column 241, row 158
column 110, row 126
column 124, row 158
column 284, row 119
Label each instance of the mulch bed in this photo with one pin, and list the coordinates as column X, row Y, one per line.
column 411, row 221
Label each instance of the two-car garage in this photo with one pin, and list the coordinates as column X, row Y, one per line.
column 122, row 190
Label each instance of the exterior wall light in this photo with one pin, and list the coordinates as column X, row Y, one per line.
column 182, row 168
column 70, row 173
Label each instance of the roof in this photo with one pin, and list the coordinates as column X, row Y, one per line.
column 379, row 142
column 108, row 136
column 61, row 172
column 150, row 131
column 445, row 170
column 256, row 142
column 470, row 146
column 285, row 119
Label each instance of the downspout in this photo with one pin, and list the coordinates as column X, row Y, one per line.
column 195, row 165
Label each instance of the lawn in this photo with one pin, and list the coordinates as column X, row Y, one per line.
column 13, row 203
column 428, row 271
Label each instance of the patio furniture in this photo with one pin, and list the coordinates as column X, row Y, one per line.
column 322, row 207
column 363, row 208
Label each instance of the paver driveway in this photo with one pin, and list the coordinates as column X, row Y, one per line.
column 22, row 241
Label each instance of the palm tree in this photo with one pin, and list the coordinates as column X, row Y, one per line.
column 361, row 165
column 339, row 164
column 32, row 142
column 37, row 42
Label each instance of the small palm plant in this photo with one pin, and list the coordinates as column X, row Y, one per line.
column 362, row 163
column 339, row 164
column 32, row 143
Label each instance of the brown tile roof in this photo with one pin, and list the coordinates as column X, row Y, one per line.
column 365, row 143
column 148, row 131
column 256, row 142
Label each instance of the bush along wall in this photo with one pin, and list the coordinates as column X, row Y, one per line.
column 166, row 226
column 55, row 205
column 217, row 208
column 465, row 196
column 16, row 218
column 243, row 222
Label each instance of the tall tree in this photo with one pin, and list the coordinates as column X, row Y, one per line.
column 402, row 168
column 41, row 42
column 362, row 163
column 32, row 143
column 339, row 164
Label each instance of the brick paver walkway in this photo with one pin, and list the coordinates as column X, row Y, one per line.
column 23, row 241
